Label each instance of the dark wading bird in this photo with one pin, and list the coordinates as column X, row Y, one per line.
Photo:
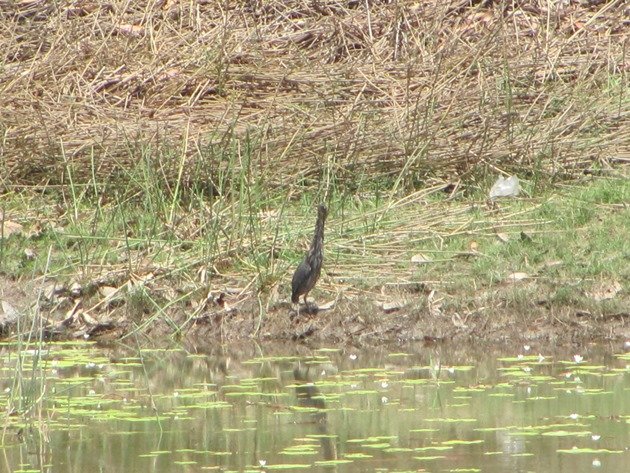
column 307, row 273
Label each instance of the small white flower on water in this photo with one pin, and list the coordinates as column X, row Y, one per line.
column 577, row 379
column 526, row 347
column 353, row 386
column 323, row 373
column 175, row 394
column 627, row 344
column 353, row 356
column 529, row 389
column 596, row 437
column 91, row 392
column 125, row 399
column 574, row 416
column 262, row 462
column 568, row 375
column 54, row 372
column 527, row 369
column 384, row 384
column 519, row 356
column 90, row 365
column 540, row 358
column 384, row 400
column 451, row 370
column 596, row 463
column 578, row 358
column 54, row 363
column 86, row 335
column 7, row 390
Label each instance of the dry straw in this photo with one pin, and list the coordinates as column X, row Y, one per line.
column 422, row 90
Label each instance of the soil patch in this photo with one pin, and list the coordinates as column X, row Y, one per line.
column 230, row 316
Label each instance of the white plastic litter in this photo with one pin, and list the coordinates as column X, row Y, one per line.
column 503, row 187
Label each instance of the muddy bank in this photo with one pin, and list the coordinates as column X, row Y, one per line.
column 364, row 323
column 232, row 315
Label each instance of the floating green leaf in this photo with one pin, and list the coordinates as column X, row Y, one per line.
column 588, row 450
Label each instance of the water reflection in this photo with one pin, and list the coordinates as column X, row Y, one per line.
column 79, row 408
column 309, row 396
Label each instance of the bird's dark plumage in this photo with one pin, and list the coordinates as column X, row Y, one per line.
column 307, row 273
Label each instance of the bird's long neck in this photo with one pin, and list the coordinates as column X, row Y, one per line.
column 318, row 236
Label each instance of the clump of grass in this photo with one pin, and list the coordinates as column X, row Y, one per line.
column 139, row 303
column 571, row 243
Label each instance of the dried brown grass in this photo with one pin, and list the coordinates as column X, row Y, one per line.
column 407, row 90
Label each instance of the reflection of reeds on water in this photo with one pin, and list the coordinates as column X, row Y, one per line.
column 308, row 395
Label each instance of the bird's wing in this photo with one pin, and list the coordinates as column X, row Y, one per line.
column 300, row 276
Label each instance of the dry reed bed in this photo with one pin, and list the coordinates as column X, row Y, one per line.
column 428, row 91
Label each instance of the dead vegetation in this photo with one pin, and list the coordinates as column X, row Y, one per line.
column 416, row 91
column 395, row 95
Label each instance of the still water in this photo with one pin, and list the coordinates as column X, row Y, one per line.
column 78, row 407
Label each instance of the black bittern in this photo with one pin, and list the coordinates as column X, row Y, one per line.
column 307, row 273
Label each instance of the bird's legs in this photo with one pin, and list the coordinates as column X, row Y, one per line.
column 309, row 308
column 297, row 314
